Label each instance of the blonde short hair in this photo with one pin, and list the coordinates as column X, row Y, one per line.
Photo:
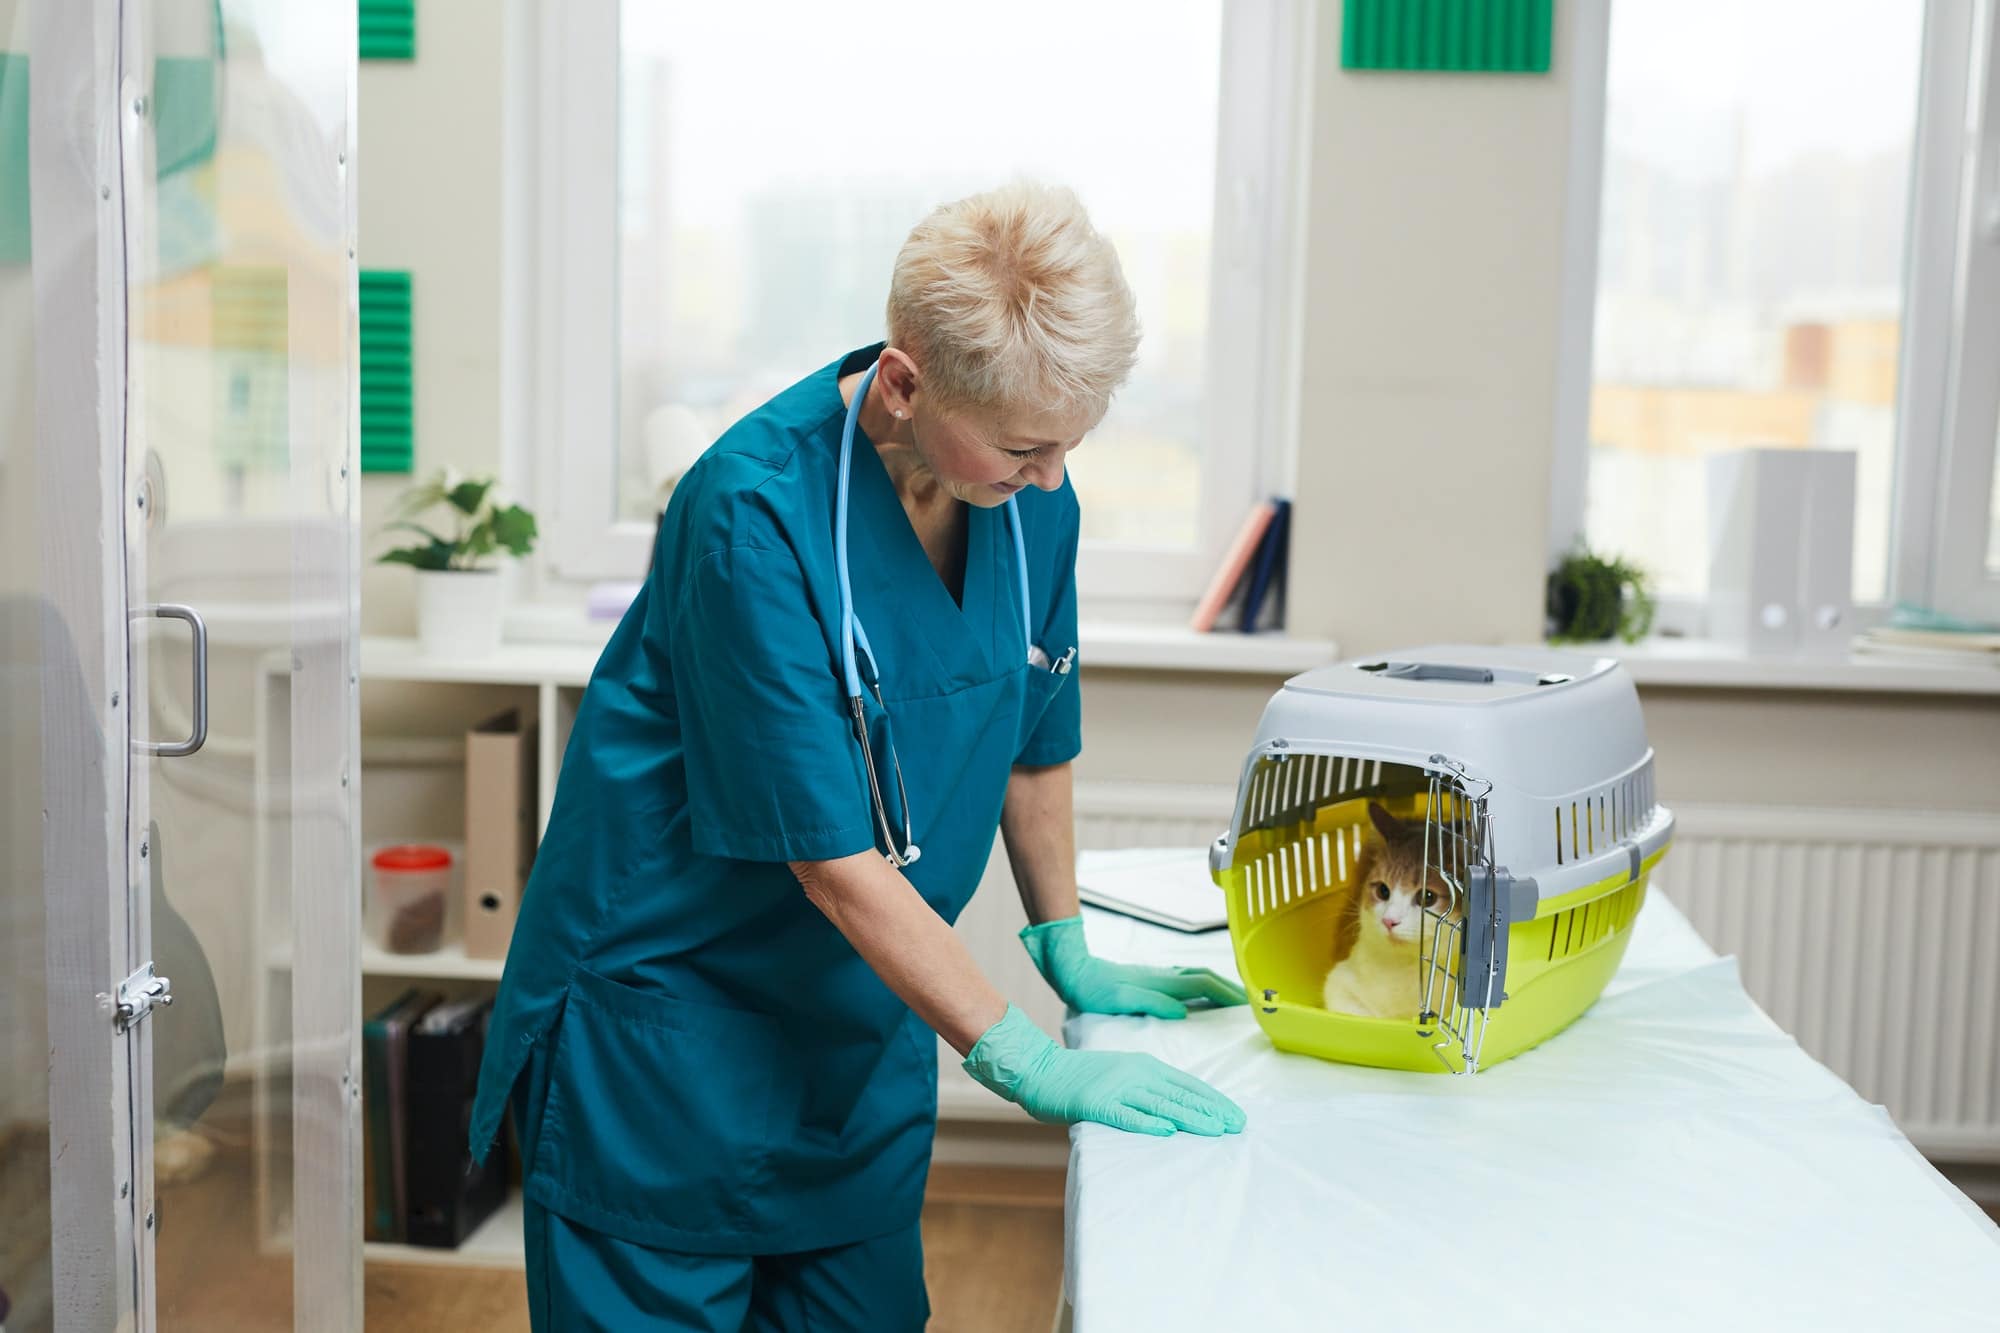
column 1011, row 299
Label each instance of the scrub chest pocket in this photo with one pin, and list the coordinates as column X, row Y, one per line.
column 1043, row 684
column 627, row 1139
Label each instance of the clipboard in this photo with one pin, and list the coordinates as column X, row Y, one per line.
column 1166, row 886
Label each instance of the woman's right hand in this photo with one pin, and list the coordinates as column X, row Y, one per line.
column 1122, row 1089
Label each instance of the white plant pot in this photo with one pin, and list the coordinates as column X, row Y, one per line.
column 458, row 612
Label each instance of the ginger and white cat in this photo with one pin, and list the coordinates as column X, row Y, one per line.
column 1382, row 977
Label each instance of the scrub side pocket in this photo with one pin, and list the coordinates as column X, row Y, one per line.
column 660, row 1113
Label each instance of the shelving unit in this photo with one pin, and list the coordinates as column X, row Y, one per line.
column 497, row 1244
column 556, row 674
column 446, row 964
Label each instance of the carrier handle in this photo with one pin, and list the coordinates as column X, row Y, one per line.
column 1471, row 675
column 1467, row 675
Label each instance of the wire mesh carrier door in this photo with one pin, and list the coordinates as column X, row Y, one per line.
column 1462, row 954
column 1396, row 905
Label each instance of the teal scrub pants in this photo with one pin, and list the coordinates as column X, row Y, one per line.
column 581, row 1280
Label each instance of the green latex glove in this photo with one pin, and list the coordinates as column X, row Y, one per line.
column 1122, row 1089
column 1093, row 986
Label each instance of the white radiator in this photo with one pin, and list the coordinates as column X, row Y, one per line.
column 1871, row 936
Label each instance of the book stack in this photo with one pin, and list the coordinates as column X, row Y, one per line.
column 420, row 1068
column 1916, row 635
column 1248, row 590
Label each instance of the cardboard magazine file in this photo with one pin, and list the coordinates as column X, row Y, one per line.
column 500, row 762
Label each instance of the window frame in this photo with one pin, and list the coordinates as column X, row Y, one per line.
column 560, row 351
column 1937, row 409
column 1960, row 580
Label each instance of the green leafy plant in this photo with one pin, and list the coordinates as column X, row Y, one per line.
column 1592, row 597
column 481, row 524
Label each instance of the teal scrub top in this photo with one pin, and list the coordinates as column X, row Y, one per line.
column 717, row 1071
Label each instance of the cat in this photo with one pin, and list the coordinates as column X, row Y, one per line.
column 1382, row 975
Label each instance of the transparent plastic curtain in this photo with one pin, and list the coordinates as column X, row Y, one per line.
column 27, row 633
column 66, row 1248
column 243, row 416
column 178, row 427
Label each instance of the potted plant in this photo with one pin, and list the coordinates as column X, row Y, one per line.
column 458, row 588
column 1594, row 597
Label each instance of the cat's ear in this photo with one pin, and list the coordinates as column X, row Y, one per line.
column 1386, row 824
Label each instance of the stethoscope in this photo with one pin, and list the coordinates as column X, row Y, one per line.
column 852, row 633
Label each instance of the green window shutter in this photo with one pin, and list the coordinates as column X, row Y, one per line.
column 388, row 378
column 14, row 210
column 388, row 29
column 184, row 113
column 249, row 331
column 1462, row 36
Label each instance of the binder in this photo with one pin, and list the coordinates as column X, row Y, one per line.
column 385, row 1057
column 500, row 763
column 448, row 1196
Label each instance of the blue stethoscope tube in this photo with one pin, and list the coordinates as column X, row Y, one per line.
column 852, row 633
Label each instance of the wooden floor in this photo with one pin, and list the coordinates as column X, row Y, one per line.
column 992, row 1261
column 992, row 1250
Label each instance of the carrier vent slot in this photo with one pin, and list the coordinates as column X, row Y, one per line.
column 1589, row 924
column 1592, row 822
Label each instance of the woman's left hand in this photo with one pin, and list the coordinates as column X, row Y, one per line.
column 1095, row 986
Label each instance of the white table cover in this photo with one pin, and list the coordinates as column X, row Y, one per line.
column 1672, row 1161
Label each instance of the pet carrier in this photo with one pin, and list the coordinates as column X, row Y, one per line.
column 1437, row 855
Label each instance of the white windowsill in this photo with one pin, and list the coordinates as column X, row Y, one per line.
column 1708, row 664
column 1110, row 646
column 1105, row 647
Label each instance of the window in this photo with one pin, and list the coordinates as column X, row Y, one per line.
column 1780, row 261
column 1993, row 516
column 1750, row 248
column 758, row 167
column 1966, row 569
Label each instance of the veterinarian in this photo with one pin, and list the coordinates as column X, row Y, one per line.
column 716, row 1022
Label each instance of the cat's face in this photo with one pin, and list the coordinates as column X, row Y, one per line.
column 1396, row 891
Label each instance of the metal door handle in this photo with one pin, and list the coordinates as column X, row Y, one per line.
column 177, row 749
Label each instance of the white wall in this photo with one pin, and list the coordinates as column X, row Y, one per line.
column 428, row 171
column 1426, row 418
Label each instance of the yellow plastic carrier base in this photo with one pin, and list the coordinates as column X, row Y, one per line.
column 1557, row 963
